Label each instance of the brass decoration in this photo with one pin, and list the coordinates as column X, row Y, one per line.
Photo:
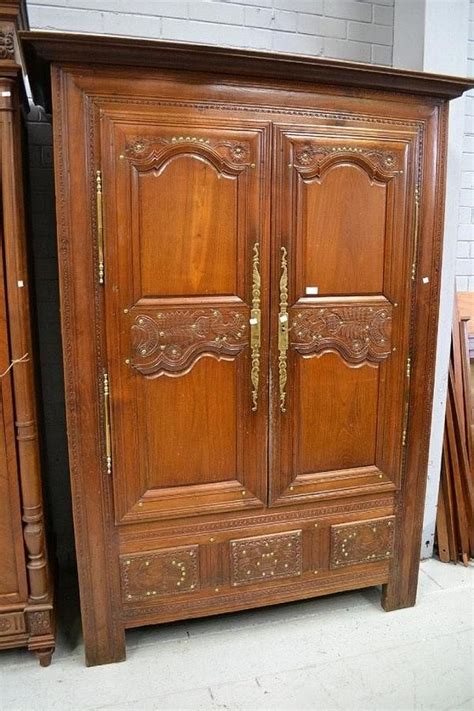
column 415, row 231
column 100, row 226
column 255, row 327
column 261, row 559
column 7, row 45
column 283, row 329
column 146, row 576
column 362, row 542
column 357, row 332
column 108, row 446
column 174, row 339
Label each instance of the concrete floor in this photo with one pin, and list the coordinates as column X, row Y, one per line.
column 337, row 652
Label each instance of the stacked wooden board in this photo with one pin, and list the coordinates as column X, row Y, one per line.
column 455, row 518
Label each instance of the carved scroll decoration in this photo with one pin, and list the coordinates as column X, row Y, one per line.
column 358, row 333
column 264, row 558
column 236, row 152
column 311, row 155
column 171, row 341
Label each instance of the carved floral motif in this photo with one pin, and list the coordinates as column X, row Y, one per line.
column 7, row 45
column 237, row 152
column 364, row 542
column 39, row 622
column 358, row 333
column 264, row 558
column 168, row 572
column 172, row 340
column 311, row 155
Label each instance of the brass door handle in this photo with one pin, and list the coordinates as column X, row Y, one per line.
column 255, row 326
column 283, row 329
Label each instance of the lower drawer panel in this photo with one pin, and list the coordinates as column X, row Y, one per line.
column 217, row 573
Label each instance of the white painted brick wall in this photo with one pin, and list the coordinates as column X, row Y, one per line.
column 341, row 29
column 465, row 246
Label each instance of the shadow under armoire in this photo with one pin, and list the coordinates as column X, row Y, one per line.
column 26, row 591
column 249, row 251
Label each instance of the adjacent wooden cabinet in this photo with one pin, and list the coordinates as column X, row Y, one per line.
column 26, row 595
column 250, row 252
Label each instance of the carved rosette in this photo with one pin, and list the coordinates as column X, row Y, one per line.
column 234, row 152
column 365, row 542
column 172, row 340
column 168, row 572
column 312, row 155
column 358, row 333
column 7, row 44
column 264, row 558
column 39, row 622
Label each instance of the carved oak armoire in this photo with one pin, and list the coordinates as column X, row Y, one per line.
column 26, row 595
column 249, row 253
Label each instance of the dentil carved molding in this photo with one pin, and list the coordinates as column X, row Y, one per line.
column 358, row 333
column 171, row 340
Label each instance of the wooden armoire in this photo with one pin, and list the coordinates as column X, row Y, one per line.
column 249, row 250
column 26, row 593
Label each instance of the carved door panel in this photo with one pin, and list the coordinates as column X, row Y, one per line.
column 340, row 316
column 186, row 299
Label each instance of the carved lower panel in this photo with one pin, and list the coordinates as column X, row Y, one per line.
column 158, row 573
column 12, row 623
column 364, row 542
column 40, row 622
column 172, row 340
column 357, row 332
column 264, row 558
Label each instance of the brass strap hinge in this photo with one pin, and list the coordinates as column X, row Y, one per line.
column 108, row 446
column 100, row 226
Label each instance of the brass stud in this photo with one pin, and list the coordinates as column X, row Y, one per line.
column 395, row 304
column 380, row 476
column 291, row 488
column 315, row 572
column 147, row 562
column 248, row 572
column 148, row 592
column 178, row 583
column 125, row 311
column 212, row 540
column 216, row 589
column 394, row 349
column 243, row 492
column 127, row 361
column 286, row 565
column 121, row 156
column 129, row 597
column 128, row 562
column 192, row 586
column 154, row 592
column 315, row 525
column 387, row 553
column 140, row 503
column 252, row 165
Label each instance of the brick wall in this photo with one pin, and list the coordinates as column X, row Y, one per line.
column 465, row 247
column 342, row 29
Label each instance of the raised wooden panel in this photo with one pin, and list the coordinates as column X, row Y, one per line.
column 337, row 405
column 343, row 248
column 12, row 623
column 206, row 421
column 187, row 213
column 363, row 542
column 158, row 573
column 262, row 558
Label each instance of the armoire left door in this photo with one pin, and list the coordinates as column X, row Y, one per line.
column 183, row 242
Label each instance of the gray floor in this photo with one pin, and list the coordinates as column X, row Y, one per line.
column 338, row 652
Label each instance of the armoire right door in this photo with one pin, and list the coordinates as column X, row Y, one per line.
column 344, row 231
